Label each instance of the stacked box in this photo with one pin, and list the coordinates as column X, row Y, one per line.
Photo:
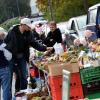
column 94, row 95
column 55, row 69
column 56, row 87
column 90, row 74
column 76, row 91
column 90, row 78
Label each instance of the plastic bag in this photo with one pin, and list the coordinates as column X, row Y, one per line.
column 58, row 48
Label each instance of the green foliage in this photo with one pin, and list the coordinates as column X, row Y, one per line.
column 64, row 9
column 7, row 24
column 9, row 9
column 93, row 2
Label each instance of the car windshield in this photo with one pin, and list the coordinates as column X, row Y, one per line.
column 81, row 22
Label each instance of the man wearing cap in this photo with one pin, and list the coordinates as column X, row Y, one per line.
column 18, row 40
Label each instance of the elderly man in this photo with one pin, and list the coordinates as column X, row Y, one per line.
column 90, row 36
column 18, row 40
column 5, row 78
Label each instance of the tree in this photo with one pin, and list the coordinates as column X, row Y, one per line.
column 9, row 9
column 85, row 3
column 64, row 9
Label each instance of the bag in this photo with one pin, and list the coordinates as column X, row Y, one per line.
column 58, row 48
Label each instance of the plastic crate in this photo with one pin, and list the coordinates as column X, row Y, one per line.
column 93, row 95
column 56, row 87
column 56, row 95
column 75, row 87
column 91, row 87
column 75, row 80
column 90, row 74
column 76, row 93
column 55, row 82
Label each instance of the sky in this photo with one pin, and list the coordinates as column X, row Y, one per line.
column 33, row 7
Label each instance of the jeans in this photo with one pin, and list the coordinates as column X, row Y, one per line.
column 5, row 81
column 19, row 66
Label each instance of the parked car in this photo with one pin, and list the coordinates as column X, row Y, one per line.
column 76, row 26
column 93, row 18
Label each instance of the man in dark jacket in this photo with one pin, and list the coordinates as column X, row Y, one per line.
column 18, row 40
column 39, row 35
column 53, row 36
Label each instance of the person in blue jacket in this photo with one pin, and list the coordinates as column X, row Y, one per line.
column 5, row 78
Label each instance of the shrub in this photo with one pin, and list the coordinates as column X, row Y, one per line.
column 7, row 24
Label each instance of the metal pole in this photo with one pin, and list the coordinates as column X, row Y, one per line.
column 65, row 85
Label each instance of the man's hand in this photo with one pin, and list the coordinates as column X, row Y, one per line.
column 49, row 48
column 48, row 52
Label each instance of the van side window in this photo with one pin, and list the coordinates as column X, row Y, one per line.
column 73, row 26
column 92, row 15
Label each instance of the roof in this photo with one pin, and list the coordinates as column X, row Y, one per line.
column 77, row 17
column 94, row 6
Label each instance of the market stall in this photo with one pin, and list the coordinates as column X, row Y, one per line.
column 83, row 65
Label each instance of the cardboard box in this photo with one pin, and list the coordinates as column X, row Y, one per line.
column 55, row 69
column 75, row 67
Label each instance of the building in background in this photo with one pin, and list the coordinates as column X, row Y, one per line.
column 34, row 9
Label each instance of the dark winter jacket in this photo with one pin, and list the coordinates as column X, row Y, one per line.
column 19, row 43
column 53, row 37
column 3, row 61
column 39, row 37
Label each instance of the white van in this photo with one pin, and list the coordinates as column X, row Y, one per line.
column 76, row 26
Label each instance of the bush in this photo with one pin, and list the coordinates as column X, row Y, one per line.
column 7, row 24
